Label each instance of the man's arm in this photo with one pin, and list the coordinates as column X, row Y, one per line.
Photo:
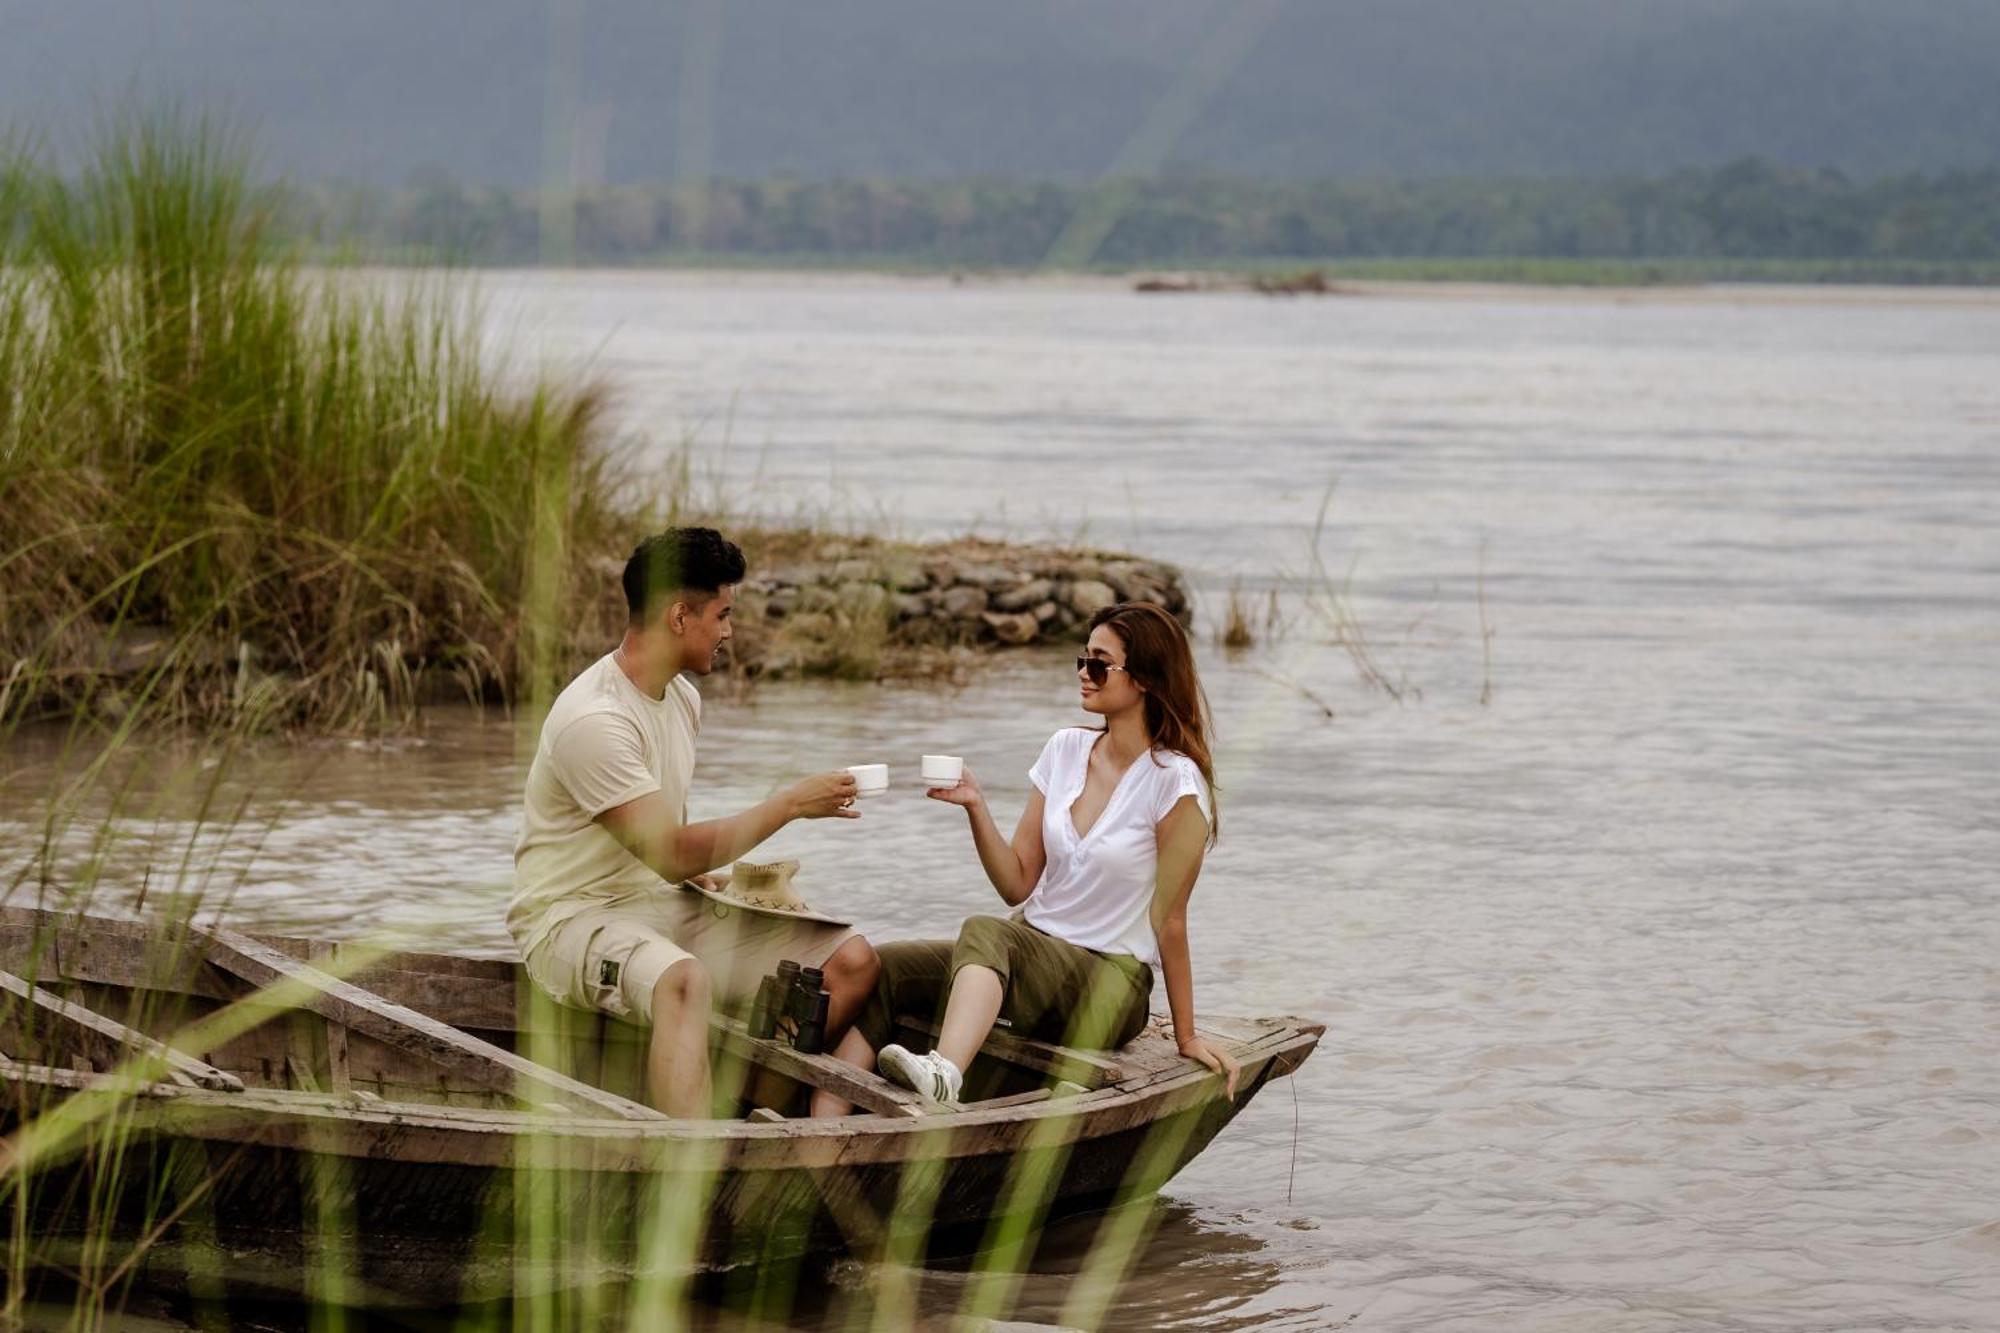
column 650, row 828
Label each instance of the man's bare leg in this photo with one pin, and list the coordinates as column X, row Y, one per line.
column 677, row 1061
column 850, row 974
column 855, row 1050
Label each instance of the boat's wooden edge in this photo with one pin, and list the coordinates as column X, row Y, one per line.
column 283, row 982
column 356, row 1007
column 179, row 1066
column 366, row 1127
column 124, row 953
column 81, row 950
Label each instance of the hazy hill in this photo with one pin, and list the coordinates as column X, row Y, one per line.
column 644, row 89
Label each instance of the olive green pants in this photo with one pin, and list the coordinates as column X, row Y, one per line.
column 1051, row 989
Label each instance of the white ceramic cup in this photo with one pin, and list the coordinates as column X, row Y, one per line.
column 871, row 779
column 943, row 770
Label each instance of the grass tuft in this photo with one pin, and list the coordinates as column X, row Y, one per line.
column 1237, row 630
column 236, row 490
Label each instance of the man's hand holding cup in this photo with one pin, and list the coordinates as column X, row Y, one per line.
column 826, row 796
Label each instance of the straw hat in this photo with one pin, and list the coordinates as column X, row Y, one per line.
column 765, row 889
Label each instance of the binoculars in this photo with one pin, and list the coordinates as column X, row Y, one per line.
column 791, row 1007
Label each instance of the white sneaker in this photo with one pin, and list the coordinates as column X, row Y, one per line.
column 929, row 1075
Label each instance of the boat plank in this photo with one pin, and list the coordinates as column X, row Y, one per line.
column 462, row 1001
column 465, row 992
column 118, row 953
column 485, row 971
column 1245, row 1053
column 179, row 1064
column 1089, row 1069
column 864, row 1089
column 428, row 1133
column 396, row 1025
column 338, row 1072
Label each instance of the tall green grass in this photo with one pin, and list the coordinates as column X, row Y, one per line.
column 233, row 487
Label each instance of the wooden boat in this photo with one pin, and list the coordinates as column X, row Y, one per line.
column 282, row 1105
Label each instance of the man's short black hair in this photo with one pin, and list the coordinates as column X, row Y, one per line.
column 679, row 560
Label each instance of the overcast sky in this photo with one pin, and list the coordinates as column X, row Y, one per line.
column 519, row 90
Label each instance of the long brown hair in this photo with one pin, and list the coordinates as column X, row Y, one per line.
column 1157, row 656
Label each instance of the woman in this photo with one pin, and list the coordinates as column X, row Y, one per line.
column 1100, row 868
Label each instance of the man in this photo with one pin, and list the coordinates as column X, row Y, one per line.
column 598, row 908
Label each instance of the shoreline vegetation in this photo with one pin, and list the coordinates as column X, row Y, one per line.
column 232, row 490
column 237, row 490
column 1746, row 221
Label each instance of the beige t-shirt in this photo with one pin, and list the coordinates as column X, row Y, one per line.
column 604, row 743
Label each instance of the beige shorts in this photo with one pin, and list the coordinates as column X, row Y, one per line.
column 609, row 957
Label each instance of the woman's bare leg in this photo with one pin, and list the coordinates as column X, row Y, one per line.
column 851, row 974
column 976, row 993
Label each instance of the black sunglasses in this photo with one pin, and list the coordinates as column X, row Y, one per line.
column 1097, row 669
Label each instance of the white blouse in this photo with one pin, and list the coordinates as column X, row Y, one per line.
column 1097, row 888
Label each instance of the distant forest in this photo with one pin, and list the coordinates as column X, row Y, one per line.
column 1747, row 210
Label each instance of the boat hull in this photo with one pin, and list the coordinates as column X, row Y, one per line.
column 295, row 1190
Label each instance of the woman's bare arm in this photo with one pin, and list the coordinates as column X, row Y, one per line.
column 1013, row 866
column 1183, row 842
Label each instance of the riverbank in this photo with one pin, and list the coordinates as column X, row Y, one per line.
column 1697, row 272
column 1338, row 271
column 1362, row 282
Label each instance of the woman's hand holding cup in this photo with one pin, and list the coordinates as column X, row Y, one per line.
column 964, row 793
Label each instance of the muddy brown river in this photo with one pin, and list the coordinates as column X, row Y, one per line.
column 1654, row 912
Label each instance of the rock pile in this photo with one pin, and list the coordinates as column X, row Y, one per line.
column 853, row 608
column 965, row 593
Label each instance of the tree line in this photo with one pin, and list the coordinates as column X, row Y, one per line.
column 1745, row 210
